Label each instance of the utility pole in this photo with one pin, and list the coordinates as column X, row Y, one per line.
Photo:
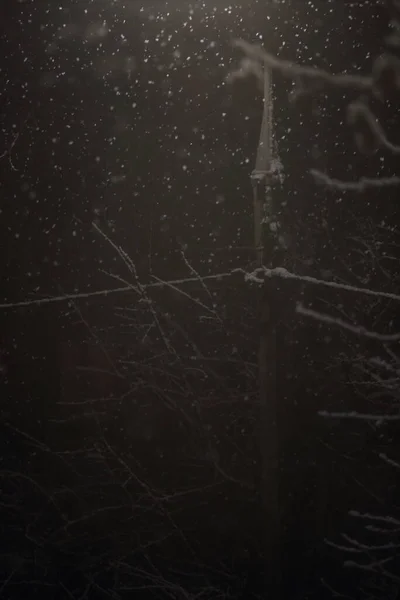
column 262, row 179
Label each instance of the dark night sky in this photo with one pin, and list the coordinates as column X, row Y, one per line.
column 118, row 111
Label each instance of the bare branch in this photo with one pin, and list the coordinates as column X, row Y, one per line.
column 108, row 292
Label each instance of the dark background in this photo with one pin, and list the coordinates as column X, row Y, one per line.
column 118, row 114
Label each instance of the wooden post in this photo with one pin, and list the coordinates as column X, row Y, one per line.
column 261, row 176
column 268, row 437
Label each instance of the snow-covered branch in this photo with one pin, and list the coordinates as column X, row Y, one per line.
column 359, row 416
column 369, row 134
column 361, row 185
column 338, row 322
column 307, row 75
column 256, row 276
